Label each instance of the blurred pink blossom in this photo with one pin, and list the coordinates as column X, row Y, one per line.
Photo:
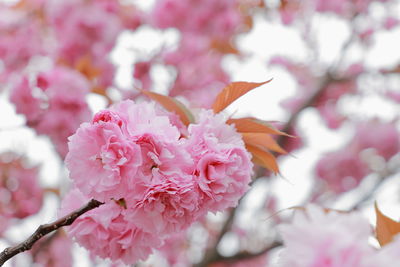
column 200, row 76
column 93, row 35
column 217, row 19
column 341, row 170
column 142, row 73
column 381, row 136
column 20, row 39
column 316, row 238
column 391, row 22
column 395, row 96
column 20, row 191
column 55, row 251
column 174, row 250
column 55, row 105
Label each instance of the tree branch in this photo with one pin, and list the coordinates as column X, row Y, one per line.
column 244, row 255
column 45, row 229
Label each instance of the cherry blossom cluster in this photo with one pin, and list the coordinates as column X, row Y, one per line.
column 49, row 73
column 317, row 237
column 155, row 177
column 344, row 169
column 20, row 192
column 48, row 108
column 207, row 31
column 292, row 10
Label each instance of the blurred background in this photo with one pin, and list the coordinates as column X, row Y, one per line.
column 335, row 67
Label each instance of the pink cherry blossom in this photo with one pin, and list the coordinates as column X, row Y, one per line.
column 133, row 157
column 330, row 115
column 25, row 102
column 341, row 170
column 222, row 165
column 122, row 148
column 54, row 251
column 142, row 73
column 383, row 137
column 156, row 132
column 65, row 91
column 20, row 192
column 106, row 233
column 293, row 143
column 316, row 238
column 20, row 38
column 340, row 7
column 174, row 250
column 169, row 204
column 92, row 34
column 395, row 96
column 216, row 19
column 54, row 105
column 289, row 10
column 327, row 101
column 300, row 72
column 390, row 23
column 101, row 154
column 198, row 84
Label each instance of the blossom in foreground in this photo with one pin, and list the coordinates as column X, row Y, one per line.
column 105, row 232
column 222, row 164
column 121, row 149
column 154, row 177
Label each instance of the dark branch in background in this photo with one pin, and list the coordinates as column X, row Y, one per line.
column 244, row 255
column 45, row 229
column 383, row 176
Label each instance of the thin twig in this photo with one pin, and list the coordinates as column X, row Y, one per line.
column 382, row 178
column 244, row 255
column 45, row 229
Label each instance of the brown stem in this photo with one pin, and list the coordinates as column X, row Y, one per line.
column 244, row 255
column 45, row 229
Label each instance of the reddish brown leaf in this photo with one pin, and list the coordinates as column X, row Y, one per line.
column 232, row 92
column 262, row 140
column 255, row 126
column 386, row 228
column 84, row 66
column 263, row 158
column 172, row 105
column 224, row 47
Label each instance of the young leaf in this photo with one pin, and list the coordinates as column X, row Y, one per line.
column 255, row 126
column 232, row 92
column 386, row 228
column 262, row 140
column 224, row 47
column 172, row 105
column 263, row 158
column 84, row 66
